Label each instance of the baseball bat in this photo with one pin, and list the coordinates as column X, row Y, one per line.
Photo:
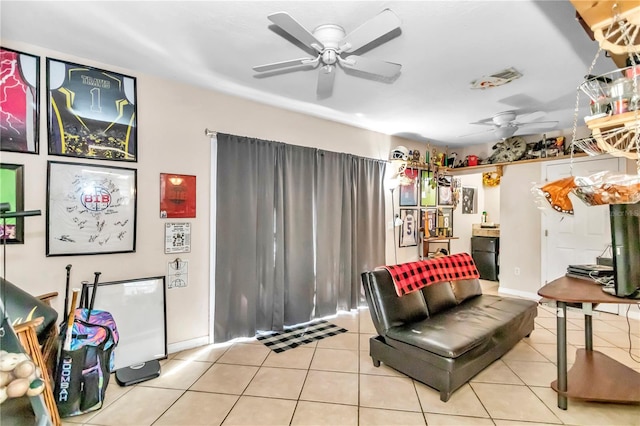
column 70, row 319
column 93, row 293
column 66, row 292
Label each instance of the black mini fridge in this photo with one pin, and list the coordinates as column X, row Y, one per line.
column 484, row 251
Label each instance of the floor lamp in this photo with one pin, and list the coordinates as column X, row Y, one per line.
column 392, row 184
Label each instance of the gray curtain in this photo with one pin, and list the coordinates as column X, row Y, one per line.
column 295, row 228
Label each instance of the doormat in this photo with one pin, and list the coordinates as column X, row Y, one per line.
column 292, row 337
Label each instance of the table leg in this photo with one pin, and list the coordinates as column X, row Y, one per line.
column 587, row 308
column 561, row 315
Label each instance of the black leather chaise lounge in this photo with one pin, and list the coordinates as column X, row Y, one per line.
column 445, row 333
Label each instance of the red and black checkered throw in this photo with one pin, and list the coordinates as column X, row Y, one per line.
column 412, row 276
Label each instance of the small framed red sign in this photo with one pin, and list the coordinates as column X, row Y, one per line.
column 177, row 196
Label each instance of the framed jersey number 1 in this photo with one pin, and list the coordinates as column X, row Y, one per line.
column 91, row 112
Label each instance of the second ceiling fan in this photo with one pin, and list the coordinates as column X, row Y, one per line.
column 335, row 48
column 507, row 123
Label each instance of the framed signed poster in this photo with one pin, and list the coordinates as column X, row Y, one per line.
column 91, row 112
column 90, row 209
column 19, row 101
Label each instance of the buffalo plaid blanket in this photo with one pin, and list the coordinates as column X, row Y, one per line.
column 412, row 276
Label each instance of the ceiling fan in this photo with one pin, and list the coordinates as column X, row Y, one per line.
column 334, row 47
column 505, row 124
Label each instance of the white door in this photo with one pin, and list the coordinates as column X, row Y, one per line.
column 580, row 238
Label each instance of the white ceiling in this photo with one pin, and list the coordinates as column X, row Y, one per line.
column 442, row 45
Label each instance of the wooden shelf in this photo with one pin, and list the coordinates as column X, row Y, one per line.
column 596, row 377
column 470, row 169
column 613, row 121
column 599, row 14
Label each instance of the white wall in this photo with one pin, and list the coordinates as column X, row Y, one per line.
column 172, row 118
column 519, row 230
column 462, row 223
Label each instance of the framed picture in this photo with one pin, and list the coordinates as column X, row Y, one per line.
column 469, row 201
column 90, row 209
column 177, row 196
column 445, row 222
column 409, row 228
column 409, row 193
column 429, row 222
column 19, row 101
column 427, row 191
column 12, row 192
column 445, row 193
column 91, row 112
column 177, row 238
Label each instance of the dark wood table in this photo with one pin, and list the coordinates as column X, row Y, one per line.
column 594, row 376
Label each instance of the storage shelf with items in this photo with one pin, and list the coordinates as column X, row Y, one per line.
column 615, row 102
column 614, row 97
column 615, row 113
column 431, row 192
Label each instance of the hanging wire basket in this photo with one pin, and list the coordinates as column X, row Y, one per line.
column 607, row 188
column 620, row 142
column 615, row 107
column 615, row 128
column 606, row 88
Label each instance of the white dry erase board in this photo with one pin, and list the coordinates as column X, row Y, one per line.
column 139, row 310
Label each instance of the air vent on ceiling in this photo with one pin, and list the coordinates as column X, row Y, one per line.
column 496, row 79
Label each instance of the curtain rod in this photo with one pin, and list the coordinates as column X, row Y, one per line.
column 208, row 132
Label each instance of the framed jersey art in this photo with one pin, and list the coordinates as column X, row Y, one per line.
column 91, row 112
column 19, row 94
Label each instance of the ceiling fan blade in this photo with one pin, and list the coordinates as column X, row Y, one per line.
column 532, row 116
column 293, row 27
column 326, row 78
column 484, row 122
column 371, row 66
column 476, row 133
column 381, row 24
column 539, row 124
column 286, row 64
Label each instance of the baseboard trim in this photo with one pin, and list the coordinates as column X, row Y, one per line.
column 518, row 293
column 632, row 314
column 187, row 344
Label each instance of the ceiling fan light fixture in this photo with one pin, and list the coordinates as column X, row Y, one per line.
column 330, row 41
column 505, row 132
column 329, row 57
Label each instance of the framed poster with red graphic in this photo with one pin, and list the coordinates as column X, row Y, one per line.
column 177, row 196
column 409, row 193
column 19, row 101
column 91, row 112
column 90, row 209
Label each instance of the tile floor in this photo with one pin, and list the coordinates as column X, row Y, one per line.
column 333, row 382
